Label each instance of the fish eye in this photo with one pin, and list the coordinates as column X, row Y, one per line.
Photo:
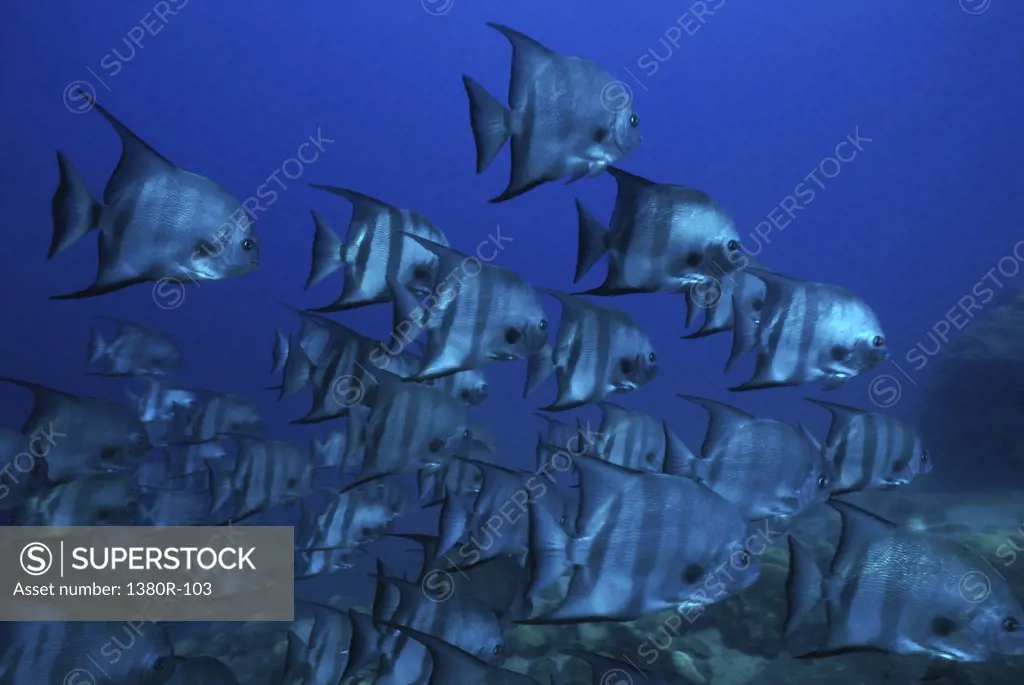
column 421, row 271
column 564, row 520
column 484, row 387
column 634, row 120
column 467, row 433
column 745, row 558
column 652, row 357
column 436, row 445
column 498, row 649
column 1011, row 625
column 823, row 482
column 159, row 664
column 693, row 259
column 924, row 455
column 512, row 336
column 248, row 244
column 543, row 325
column 878, row 341
column 732, row 245
column 366, row 531
column 626, row 365
column 757, row 304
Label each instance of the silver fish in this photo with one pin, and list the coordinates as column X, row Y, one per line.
column 598, row 351
column 135, row 350
column 158, row 402
column 50, row 652
column 265, row 474
column 900, row 591
column 567, row 117
column 631, row 439
column 411, row 425
column 811, row 331
column 461, row 619
column 487, row 314
column 350, row 521
column 94, row 435
column 662, row 238
column 374, row 252
column 765, row 467
column 646, row 542
column 871, row 450
column 213, row 414
column 107, row 499
column 157, row 221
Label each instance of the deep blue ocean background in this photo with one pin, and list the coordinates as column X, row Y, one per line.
column 751, row 100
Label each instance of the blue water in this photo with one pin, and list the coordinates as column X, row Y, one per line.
column 749, row 98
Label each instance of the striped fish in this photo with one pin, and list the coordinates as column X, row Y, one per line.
column 411, row 425
column 323, row 655
column 350, row 520
column 460, row 619
column 98, row 653
column 809, row 332
column 486, row 313
column 213, row 414
column 631, row 439
column 558, row 118
column 647, row 542
column 135, row 350
column 662, row 238
column 158, row 402
column 265, row 474
column 598, row 351
column 24, row 475
column 158, row 222
column 79, row 435
column 895, row 590
column 871, row 450
column 375, row 251
column 105, row 499
column 766, row 467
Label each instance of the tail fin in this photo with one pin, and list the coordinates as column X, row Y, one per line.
column 75, row 211
column 281, row 345
column 593, row 241
column 328, row 252
column 298, row 370
column 803, row 585
column 491, row 122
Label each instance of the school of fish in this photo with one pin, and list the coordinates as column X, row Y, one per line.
column 613, row 523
